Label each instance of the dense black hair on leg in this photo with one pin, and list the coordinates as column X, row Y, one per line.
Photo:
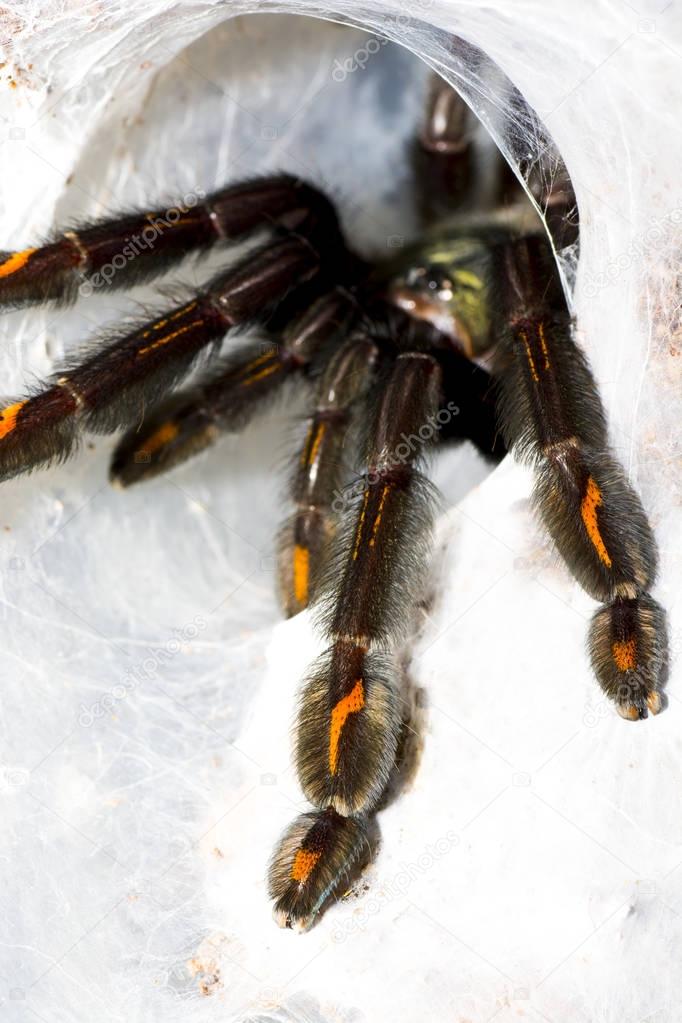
column 553, row 417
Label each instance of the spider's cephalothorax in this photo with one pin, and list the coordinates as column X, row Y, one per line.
column 389, row 349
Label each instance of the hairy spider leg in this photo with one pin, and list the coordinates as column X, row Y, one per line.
column 443, row 153
column 469, row 408
column 110, row 389
column 190, row 421
column 226, row 400
column 319, row 471
column 552, row 415
column 448, row 176
column 122, row 252
column 351, row 711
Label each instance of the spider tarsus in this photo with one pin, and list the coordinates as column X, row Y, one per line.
column 629, row 654
column 315, row 860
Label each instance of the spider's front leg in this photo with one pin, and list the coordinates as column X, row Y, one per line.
column 351, row 711
column 120, row 252
column 553, row 416
column 112, row 387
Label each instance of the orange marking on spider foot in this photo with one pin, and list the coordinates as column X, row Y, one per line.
column 301, row 573
column 382, row 501
column 625, row 654
column 15, row 262
column 588, row 510
column 8, row 418
column 164, row 435
column 350, row 704
column 304, row 863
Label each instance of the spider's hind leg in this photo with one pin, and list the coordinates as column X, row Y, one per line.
column 553, row 416
column 351, row 711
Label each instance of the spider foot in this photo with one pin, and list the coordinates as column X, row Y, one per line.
column 629, row 655
column 316, row 857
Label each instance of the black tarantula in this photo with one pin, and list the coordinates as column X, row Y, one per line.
column 392, row 349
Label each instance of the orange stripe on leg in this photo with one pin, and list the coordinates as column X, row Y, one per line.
column 15, row 262
column 301, row 573
column 380, row 512
column 361, row 523
column 170, row 337
column 263, row 373
column 315, row 448
column 625, row 654
column 164, row 435
column 8, row 417
column 543, row 342
column 529, row 356
column 588, row 510
column 350, row 704
column 304, row 863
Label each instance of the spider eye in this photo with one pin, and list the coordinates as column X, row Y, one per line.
column 448, row 293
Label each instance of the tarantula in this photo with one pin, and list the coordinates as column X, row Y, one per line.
column 391, row 348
